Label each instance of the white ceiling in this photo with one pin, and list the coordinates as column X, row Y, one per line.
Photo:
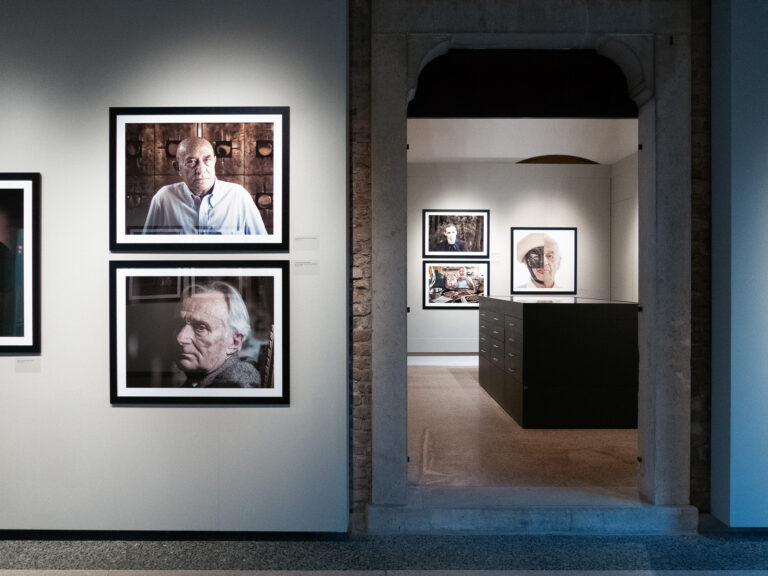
column 604, row 141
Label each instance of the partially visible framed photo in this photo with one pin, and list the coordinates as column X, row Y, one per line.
column 192, row 179
column 455, row 233
column 19, row 263
column 543, row 260
column 454, row 284
column 199, row 332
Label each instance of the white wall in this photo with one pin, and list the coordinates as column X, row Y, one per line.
column 739, row 247
column 516, row 195
column 69, row 459
column 624, row 230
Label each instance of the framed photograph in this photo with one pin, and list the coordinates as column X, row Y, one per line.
column 543, row 260
column 454, row 284
column 192, row 179
column 455, row 233
column 19, row 264
column 199, row 332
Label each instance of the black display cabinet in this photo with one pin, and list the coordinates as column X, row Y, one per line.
column 561, row 362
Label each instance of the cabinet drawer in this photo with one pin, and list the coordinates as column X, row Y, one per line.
column 484, row 347
column 513, row 325
column 496, row 353
column 513, row 361
column 514, row 343
column 493, row 330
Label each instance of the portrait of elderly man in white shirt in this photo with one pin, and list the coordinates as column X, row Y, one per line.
column 201, row 203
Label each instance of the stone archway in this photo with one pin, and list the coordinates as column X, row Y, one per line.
column 657, row 65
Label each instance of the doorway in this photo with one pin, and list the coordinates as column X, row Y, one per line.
column 664, row 287
column 457, row 434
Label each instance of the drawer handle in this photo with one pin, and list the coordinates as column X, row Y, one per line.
column 493, row 358
column 496, row 332
column 511, row 355
column 496, row 318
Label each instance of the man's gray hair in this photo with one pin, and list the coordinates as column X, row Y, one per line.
column 239, row 319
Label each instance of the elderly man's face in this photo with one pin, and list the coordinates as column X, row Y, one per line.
column 196, row 164
column 551, row 264
column 205, row 339
column 450, row 234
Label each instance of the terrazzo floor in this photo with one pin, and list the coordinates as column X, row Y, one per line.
column 700, row 554
column 459, row 436
column 381, row 573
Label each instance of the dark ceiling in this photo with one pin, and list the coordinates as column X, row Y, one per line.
column 522, row 84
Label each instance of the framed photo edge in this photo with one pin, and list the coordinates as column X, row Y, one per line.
column 34, row 347
column 512, row 230
column 443, row 306
column 116, row 399
column 426, row 253
column 263, row 247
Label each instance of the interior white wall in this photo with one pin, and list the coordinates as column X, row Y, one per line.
column 739, row 283
column 624, row 229
column 517, row 195
column 69, row 459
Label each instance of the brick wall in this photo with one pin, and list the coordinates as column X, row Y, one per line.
column 701, row 255
column 360, row 165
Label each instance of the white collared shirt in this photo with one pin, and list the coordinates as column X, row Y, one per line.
column 227, row 209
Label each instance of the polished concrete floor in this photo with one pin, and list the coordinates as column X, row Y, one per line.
column 459, row 436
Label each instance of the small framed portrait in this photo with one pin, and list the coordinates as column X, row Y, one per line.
column 543, row 260
column 455, row 233
column 199, row 332
column 192, row 179
column 19, row 264
column 454, row 284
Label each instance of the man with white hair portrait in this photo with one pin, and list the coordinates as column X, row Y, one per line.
column 214, row 325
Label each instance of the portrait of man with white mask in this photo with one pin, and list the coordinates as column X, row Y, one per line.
column 543, row 260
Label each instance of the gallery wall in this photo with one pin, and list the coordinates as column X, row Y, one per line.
column 624, row 230
column 517, row 195
column 72, row 461
column 739, row 282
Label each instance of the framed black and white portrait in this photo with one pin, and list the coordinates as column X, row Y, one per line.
column 454, row 284
column 191, row 179
column 199, row 332
column 543, row 260
column 19, row 263
column 455, row 233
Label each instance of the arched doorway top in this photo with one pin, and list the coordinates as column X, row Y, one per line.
column 513, row 83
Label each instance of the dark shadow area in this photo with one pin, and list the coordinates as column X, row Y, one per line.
column 522, row 84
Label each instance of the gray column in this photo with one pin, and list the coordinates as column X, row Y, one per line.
column 389, row 202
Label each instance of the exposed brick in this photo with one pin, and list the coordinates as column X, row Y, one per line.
column 360, row 178
column 701, row 255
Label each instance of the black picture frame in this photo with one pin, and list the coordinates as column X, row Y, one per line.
column 252, row 151
column 471, row 238
column 445, row 287
column 522, row 278
column 19, row 263
column 152, row 357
